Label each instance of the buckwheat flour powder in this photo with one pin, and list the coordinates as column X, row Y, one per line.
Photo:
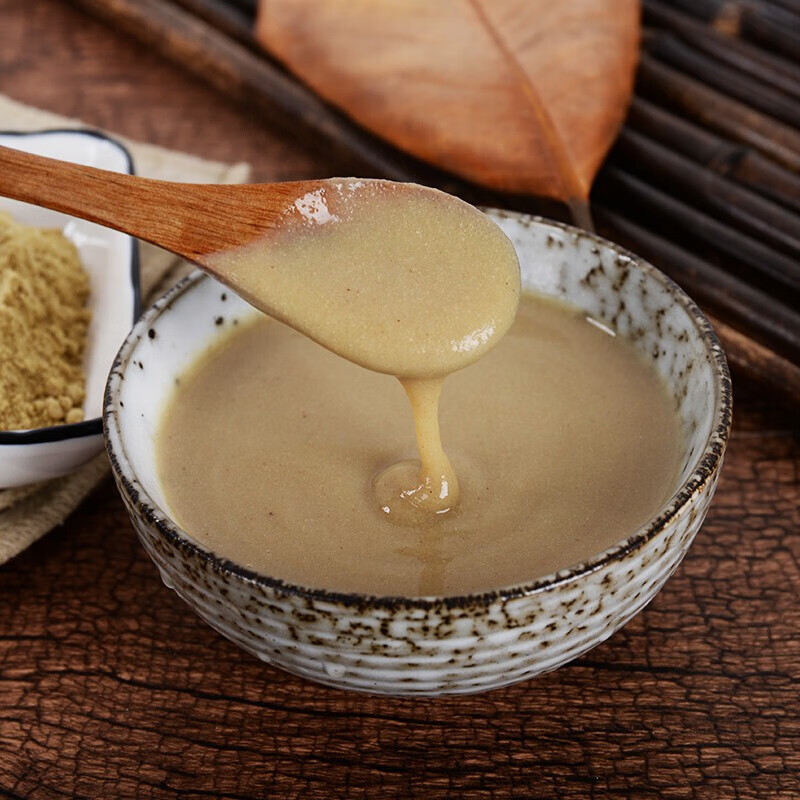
column 43, row 327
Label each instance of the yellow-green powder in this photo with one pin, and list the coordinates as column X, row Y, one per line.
column 43, row 327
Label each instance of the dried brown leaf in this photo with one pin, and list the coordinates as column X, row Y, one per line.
column 518, row 95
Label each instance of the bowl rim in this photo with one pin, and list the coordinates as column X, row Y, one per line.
column 706, row 466
column 93, row 426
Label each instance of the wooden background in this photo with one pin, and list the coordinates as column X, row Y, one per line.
column 110, row 687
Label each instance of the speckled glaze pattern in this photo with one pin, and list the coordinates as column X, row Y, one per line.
column 436, row 645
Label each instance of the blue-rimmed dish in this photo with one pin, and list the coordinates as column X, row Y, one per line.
column 112, row 261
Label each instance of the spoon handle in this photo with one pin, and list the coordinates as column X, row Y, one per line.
column 191, row 220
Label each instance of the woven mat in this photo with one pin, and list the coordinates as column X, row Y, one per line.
column 28, row 512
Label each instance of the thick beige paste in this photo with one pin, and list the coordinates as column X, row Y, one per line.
column 398, row 278
column 564, row 440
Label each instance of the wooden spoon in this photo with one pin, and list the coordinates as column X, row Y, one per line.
column 429, row 298
column 192, row 220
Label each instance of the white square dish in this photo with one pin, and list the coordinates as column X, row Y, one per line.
column 112, row 261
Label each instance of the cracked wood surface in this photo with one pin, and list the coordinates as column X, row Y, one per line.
column 110, row 687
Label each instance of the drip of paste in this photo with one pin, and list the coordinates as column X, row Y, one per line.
column 397, row 278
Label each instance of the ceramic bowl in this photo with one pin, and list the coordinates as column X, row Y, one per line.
column 112, row 261
column 435, row 645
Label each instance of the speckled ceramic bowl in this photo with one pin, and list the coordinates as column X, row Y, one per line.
column 435, row 645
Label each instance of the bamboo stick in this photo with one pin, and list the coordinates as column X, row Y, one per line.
column 773, row 69
column 775, row 28
column 731, row 82
column 722, row 114
column 752, row 260
column 720, row 197
column 759, row 363
column 740, row 163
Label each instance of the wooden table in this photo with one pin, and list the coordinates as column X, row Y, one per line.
column 111, row 688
